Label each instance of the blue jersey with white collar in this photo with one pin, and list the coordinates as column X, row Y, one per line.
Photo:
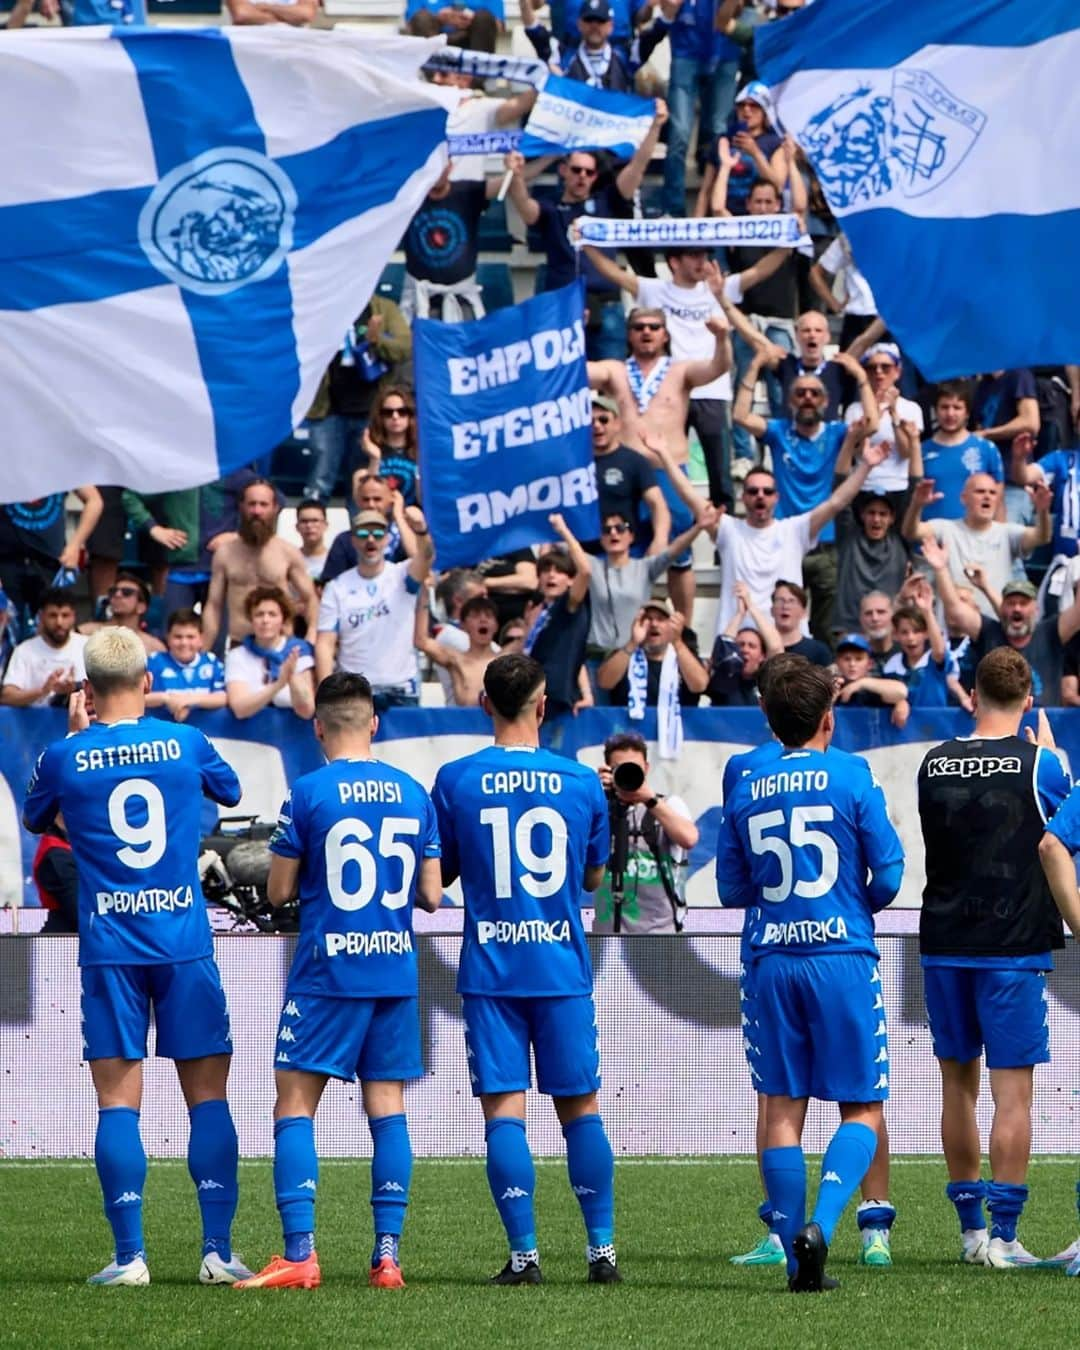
column 799, row 835
column 804, row 467
column 361, row 830
column 204, row 674
column 131, row 794
column 520, row 826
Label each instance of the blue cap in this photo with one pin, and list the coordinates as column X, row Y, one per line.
column 595, row 9
column 854, row 640
column 757, row 91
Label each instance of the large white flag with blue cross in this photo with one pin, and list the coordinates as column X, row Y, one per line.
column 189, row 221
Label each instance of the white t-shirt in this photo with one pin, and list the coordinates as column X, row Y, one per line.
column 473, row 116
column 374, row 619
column 838, row 261
column 315, row 563
column 687, row 308
column 33, row 661
column 892, row 476
column 994, row 550
column 244, row 667
column 760, row 558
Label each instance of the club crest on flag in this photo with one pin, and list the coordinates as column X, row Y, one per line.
column 219, row 221
column 902, row 132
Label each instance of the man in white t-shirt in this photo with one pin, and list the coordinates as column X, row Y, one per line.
column 476, row 115
column 366, row 614
column 50, row 665
column 883, row 366
column 760, row 550
column 858, row 305
column 697, row 291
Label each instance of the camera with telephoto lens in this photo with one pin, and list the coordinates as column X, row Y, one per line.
column 627, row 776
column 234, row 867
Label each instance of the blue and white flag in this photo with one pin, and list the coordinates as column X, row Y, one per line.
column 569, row 115
column 189, row 220
column 946, row 138
column 512, row 441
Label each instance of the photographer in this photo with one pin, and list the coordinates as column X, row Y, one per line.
column 651, row 837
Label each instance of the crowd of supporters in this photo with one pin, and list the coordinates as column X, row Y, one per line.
column 758, row 432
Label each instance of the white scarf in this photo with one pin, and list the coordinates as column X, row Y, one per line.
column 781, row 231
column 669, row 727
column 453, row 293
column 644, row 387
column 596, row 63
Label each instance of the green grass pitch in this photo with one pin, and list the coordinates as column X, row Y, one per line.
column 677, row 1224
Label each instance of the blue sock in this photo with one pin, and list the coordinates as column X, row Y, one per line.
column 213, row 1159
column 847, row 1159
column 391, row 1173
column 877, row 1214
column 121, row 1168
column 765, row 1215
column 512, row 1178
column 784, row 1170
column 968, row 1197
column 296, row 1178
column 591, row 1165
column 1005, row 1203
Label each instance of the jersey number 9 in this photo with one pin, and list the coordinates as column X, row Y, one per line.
column 144, row 845
column 798, row 836
column 345, row 844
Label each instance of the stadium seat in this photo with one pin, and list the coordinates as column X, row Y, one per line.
column 391, row 282
column 497, row 284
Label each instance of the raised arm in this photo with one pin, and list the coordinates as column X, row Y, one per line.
column 698, row 373
column 845, row 494
column 871, row 413
column 765, row 266
column 420, row 562
column 91, row 514
column 959, row 614
column 1042, row 531
column 873, row 332
column 718, row 195
column 742, row 411
column 770, row 634
column 527, row 207
column 612, row 669
column 629, row 177
column 610, row 269
column 913, row 527
column 579, row 586
column 422, row 639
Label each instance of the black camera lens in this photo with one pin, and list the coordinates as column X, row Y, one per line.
column 628, row 776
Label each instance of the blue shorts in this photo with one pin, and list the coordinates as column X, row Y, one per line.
column 561, row 1031
column 821, row 1027
column 748, row 1017
column 190, row 1015
column 1003, row 1010
column 681, row 519
column 374, row 1039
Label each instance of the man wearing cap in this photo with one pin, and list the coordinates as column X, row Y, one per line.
column 657, row 629
column 595, row 59
column 366, row 615
column 900, row 420
column 977, row 539
column 1040, row 642
column 624, row 477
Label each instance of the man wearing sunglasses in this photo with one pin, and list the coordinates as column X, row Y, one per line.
column 579, row 173
column 129, row 599
column 805, row 449
column 367, row 614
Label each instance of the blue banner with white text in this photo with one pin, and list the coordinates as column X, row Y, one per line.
column 509, row 442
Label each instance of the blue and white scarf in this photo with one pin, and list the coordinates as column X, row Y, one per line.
column 780, row 231
column 669, row 727
column 274, row 657
column 644, row 387
column 538, row 625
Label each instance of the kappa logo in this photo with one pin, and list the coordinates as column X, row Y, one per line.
column 290, row 1010
column 879, row 1003
column 392, row 1186
column 778, row 1214
column 220, row 221
column 209, row 1184
column 583, row 1190
column 128, row 1198
column 831, row 1176
column 513, row 1193
column 882, row 1082
column 895, row 134
column 309, row 1185
column 882, row 1029
column 882, row 1056
column 965, row 1195
column 283, row 1058
column 286, row 1034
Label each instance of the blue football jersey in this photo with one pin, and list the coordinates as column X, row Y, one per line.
column 520, row 826
column 204, row 674
column 1059, row 799
column 737, row 767
column 131, row 796
column 361, row 829
column 798, row 837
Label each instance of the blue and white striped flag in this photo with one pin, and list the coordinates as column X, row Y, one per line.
column 946, row 138
column 189, row 220
column 569, row 115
